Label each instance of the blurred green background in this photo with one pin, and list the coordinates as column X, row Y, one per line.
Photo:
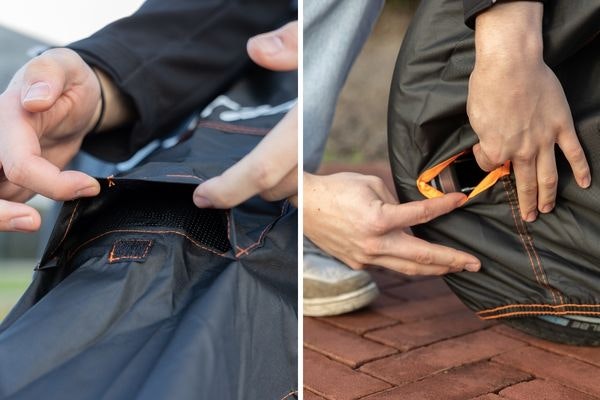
column 19, row 251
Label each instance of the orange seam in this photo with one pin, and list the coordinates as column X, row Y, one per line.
column 295, row 392
column 72, row 253
column 536, row 305
column 111, row 254
column 522, row 229
column 66, row 230
column 245, row 251
column 512, row 314
column 538, row 261
column 519, row 232
column 529, row 238
column 552, row 289
column 112, row 258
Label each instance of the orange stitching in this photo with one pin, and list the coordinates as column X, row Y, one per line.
column 552, row 289
column 231, row 128
column 110, row 180
column 112, row 258
column 66, row 230
column 521, row 229
column 228, row 215
column 246, row 251
column 72, row 253
column 295, row 392
column 529, row 238
column 518, row 227
column 512, row 314
column 535, row 305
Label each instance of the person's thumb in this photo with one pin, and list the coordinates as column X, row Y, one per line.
column 276, row 50
column 43, row 84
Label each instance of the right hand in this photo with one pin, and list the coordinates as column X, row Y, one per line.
column 356, row 219
column 517, row 106
column 48, row 107
column 271, row 168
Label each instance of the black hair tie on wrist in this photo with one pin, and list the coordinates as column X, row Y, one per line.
column 102, row 105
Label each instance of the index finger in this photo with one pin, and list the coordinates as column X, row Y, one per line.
column 260, row 170
column 16, row 217
column 40, row 176
column 419, row 212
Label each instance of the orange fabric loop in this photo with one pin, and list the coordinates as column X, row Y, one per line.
column 428, row 175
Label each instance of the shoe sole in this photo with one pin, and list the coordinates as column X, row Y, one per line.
column 576, row 333
column 341, row 304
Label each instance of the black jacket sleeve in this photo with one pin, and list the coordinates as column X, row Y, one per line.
column 172, row 57
column 474, row 7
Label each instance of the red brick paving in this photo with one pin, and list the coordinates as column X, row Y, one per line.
column 429, row 360
column 420, row 333
column 542, row 389
column 489, row 396
column 457, row 384
column 341, row 345
column 417, row 341
column 334, row 380
column 361, row 321
column 387, row 352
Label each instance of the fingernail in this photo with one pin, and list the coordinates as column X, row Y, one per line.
column 531, row 216
column 547, row 208
column 38, row 91
column 462, row 201
column 22, row 223
column 586, row 181
column 270, row 44
column 472, row 267
column 87, row 192
column 202, row 202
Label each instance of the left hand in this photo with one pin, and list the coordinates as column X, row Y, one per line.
column 270, row 169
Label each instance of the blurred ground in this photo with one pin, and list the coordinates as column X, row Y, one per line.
column 359, row 131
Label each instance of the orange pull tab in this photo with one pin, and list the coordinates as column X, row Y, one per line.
column 427, row 190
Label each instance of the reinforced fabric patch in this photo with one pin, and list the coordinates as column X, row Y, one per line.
column 130, row 250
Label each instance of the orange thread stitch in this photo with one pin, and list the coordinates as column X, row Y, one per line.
column 112, row 258
column 519, row 232
column 545, row 283
column 66, row 230
column 536, row 305
column 295, row 392
column 516, row 313
column 245, row 251
column 111, row 181
column 72, row 253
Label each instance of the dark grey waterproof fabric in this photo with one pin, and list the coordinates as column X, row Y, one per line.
column 551, row 266
column 140, row 295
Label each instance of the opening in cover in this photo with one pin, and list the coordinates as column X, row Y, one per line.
column 144, row 206
column 459, row 173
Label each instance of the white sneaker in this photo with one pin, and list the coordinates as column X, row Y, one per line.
column 331, row 287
